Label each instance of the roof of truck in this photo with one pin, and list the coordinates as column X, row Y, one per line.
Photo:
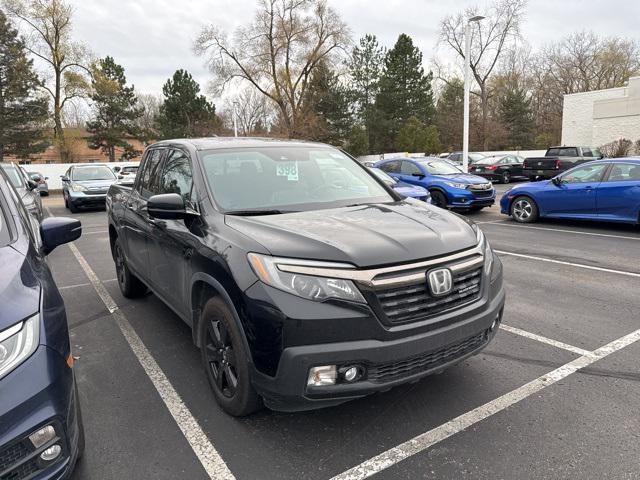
column 210, row 143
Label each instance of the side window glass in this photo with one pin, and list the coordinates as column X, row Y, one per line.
column 409, row 168
column 588, row 173
column 391, row 167
column 622, row 172
column 177, row 175
column 148, row 177
column 586, row 152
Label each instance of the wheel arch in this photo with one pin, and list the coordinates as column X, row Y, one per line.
column 203, row 288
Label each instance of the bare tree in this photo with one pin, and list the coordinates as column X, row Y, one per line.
column 146, row 123
column 253, row 111
column 489, row 39
column 48, row 33
column 277, row 52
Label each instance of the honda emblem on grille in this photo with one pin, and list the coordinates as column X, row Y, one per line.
column 440, row 281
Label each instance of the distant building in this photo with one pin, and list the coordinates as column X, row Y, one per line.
column 602, row 116
column 80, row 151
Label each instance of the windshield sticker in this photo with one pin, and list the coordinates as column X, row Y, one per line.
column 288, row 169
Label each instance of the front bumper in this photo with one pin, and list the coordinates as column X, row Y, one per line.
column 467, row 199
column 83, row 200
column 388, row 362
column 39, row 392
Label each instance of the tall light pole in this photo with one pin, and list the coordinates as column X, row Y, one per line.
column 235, row 119
column 467, row 87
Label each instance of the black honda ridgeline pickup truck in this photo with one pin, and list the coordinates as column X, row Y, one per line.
column 306, row 281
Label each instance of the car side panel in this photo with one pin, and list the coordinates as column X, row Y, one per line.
column 619, row 201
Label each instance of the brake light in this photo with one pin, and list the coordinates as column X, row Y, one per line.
column 491, row 167
column 557, row 164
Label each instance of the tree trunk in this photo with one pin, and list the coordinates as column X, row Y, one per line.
column 485, row 115
column 58, row 133
column 112, row 154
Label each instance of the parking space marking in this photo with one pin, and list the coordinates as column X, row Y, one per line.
column 540, row 338
column 571, row 264
column 488, row 222
column 506, row 223
column 87, row 284
column 209, row 457
column 426, row 440
column 101, row 232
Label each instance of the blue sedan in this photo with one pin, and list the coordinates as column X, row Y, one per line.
column 449, row 186
column 607, row 190
column 405, row 189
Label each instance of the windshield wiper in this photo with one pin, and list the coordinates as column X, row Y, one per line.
column 247, row 213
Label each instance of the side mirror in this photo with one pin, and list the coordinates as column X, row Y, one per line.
column 64, row 178
column 46, row 178
column 557, row 181
column 31, row 185
column 56, row 231
column 120, row 177
column 419, row 175
column 36, row 178
column 168, row 206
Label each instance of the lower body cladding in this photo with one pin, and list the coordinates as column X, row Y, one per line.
column 327, row 374
column 40, row 425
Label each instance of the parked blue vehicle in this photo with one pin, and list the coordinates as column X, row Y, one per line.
column 405, row 189
column 607, row 190
column 41, row 434
column 449, row 186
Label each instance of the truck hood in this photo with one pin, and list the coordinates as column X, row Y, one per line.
column 463, row 178
column 19, row 288
column 368, row 235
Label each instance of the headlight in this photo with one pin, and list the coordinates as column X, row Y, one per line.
column 305, row 286
column 462, row 186
column 17, row 343
column 76, row 187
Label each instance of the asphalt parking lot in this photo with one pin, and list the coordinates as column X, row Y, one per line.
column 544, row 400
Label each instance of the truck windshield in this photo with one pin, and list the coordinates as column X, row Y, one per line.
column 288, row 179
column 92, row 173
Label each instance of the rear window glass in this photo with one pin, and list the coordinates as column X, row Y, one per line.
column 562, row 152
column 16, row 179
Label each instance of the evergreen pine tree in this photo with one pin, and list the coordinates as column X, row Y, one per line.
column 185, row 113
column 116, row 110
column 515, row 113
column 405, row 91
column 23, row 112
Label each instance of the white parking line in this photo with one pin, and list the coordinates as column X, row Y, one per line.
column 101, row 232
column 506, row 223
column 540, row 338
column 423, row 441
column 67, row 287
column 209, row 457
column 571, row 264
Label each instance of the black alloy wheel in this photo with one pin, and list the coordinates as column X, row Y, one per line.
column 438, row 199
column 221, row 358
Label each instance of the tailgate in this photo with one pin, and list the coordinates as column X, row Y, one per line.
column 540, row 163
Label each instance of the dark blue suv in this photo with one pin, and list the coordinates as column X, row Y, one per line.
column 449, row 186
column 41, row 433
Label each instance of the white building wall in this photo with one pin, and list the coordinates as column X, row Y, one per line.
column 577, row 116
column 602, row 116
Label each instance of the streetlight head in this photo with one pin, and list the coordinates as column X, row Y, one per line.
column 477, row 18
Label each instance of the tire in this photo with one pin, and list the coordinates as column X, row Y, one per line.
column 438, row 199
column 524, row 210
column 225, row 360
column 73, row 208
column 130, row 285
column 506, row 178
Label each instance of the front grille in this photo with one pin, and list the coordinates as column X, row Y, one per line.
column 10, row 467
column 386, row 372
column 482, row 193
column 411, row 303
column 96, row 192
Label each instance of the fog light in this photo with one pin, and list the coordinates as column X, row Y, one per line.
column 324, row 375
column 42, row 436
column 51, row 453
column 351, row 374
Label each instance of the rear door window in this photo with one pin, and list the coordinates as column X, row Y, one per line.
column 623, row 172
column 408, row 168
column 391, row 167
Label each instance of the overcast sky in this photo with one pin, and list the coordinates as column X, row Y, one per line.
column 153, row 38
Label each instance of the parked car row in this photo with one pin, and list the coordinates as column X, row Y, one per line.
column 25, row 187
